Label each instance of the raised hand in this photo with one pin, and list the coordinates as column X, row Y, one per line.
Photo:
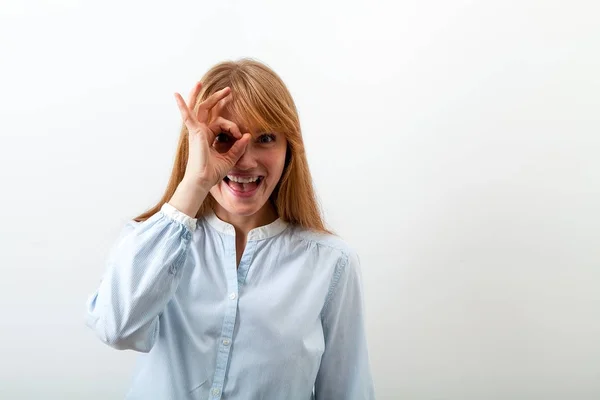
column 206, row 165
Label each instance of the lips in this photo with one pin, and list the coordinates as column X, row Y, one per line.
column 244, row 187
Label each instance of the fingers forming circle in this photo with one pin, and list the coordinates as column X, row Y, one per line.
column 221, row 124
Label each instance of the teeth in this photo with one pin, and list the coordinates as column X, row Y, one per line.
column 239, row 179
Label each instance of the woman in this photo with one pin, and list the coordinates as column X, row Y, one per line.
column 230, row 286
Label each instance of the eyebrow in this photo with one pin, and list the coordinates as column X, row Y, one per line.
column 259, row 131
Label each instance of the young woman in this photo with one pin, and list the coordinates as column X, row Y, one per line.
column 231, row 287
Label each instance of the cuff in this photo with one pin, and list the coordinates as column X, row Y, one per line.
column 180, row 217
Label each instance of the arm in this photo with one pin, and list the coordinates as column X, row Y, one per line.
column 345, row 372
column 144, row 268
column 143, row 271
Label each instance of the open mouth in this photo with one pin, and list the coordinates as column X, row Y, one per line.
column 243, row 187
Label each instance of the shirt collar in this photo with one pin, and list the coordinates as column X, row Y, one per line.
column 259, row 233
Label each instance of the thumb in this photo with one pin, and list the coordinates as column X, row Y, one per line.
column 239, row 147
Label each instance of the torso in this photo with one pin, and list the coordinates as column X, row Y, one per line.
column 230, row 328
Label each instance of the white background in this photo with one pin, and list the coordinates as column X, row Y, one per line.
column 454, row 144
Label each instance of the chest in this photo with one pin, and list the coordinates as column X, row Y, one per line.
column 267, row 313
column 264, row 289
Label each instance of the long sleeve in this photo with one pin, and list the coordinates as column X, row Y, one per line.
column 142, row 273
column 345, row 372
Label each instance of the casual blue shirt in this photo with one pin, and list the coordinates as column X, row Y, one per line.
column 287, row 324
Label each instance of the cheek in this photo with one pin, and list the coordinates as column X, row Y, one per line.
column 276, row 165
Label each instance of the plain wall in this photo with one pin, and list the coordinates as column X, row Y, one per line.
column 454, row 144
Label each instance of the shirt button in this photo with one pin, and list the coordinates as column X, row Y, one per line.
column 226, row 342
column 215, row 392
column 232, row 296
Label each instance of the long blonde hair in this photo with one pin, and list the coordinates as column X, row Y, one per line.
column 261, row 99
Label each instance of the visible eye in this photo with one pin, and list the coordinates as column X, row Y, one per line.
column 223, row 142
column 222, row 138
column 266, row 138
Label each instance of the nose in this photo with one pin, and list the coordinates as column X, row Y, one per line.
column 247, row 161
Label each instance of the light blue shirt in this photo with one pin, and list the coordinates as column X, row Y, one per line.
column 287, row 324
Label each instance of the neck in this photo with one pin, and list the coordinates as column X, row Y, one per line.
column 245, row 223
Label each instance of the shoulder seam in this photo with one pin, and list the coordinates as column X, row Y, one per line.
column 319, row 243
column 339, row 269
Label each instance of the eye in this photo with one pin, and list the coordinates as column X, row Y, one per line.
column 266, row 138
column 223, row 142
column 222, row 138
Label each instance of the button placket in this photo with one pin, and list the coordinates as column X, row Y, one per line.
column 224, row 345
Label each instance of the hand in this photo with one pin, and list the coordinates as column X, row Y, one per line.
column 205, row 165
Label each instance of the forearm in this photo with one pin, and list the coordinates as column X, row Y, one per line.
column 188, row 197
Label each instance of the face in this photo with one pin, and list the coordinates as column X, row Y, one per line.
column 246, row 189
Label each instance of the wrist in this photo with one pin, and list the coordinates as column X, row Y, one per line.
column 188, row 198
column 196, row 185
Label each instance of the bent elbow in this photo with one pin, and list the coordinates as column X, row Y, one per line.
column 140, row 340
column 120, row 342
